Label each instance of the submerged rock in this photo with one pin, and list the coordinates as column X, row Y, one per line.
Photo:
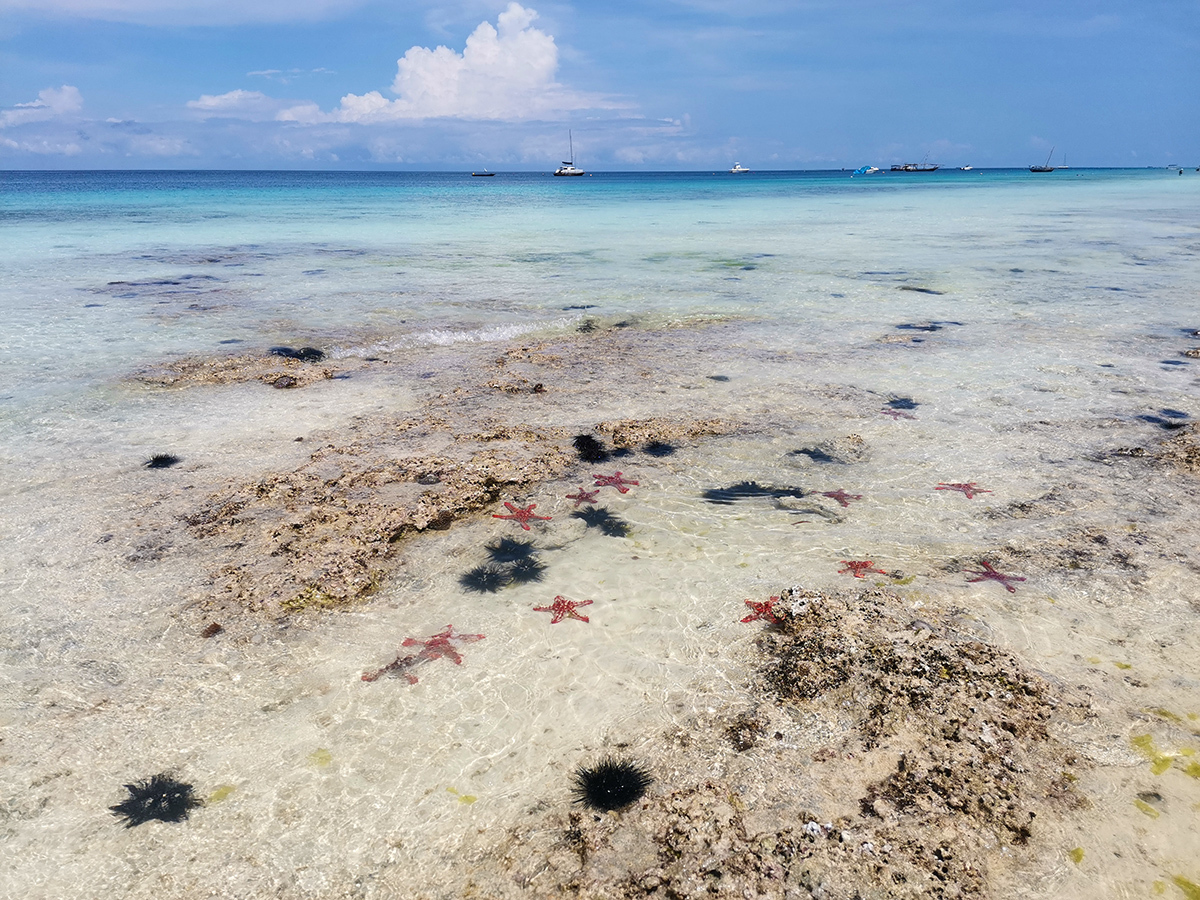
column 878, row 760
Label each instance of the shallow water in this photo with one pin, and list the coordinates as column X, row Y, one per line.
column 1035, row 325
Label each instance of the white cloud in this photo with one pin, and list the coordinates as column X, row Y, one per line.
column 239, row 104
column 43, row 147
column 51, row 103
column 505, row 72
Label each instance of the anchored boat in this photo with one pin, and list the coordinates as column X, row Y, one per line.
column 568, row 166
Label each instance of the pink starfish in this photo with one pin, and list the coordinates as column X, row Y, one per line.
column 583, row 497
column 969, row 488
column 896, row 414
column 991, row 574
column 562, row 608
column 522, row 516
column 613, row 481
column 763, row 611
column 841, row 496
column 436, row 647
column 859, row 568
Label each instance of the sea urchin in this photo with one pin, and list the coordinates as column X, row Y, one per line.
column 158, row 797
column 610, row 784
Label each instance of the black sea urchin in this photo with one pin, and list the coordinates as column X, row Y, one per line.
column 304, row 354
column 485, row 579
column 599, row 517
column 162, row 461
column 523, row 571
column 610, row 784
column 158, row 797
column 589, row 449
column 506, row 550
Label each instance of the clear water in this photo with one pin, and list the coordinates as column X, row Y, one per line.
column 1065, row 303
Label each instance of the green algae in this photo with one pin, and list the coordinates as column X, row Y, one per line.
column 220, row 793
column 1161, row 760
column 1076, row 855
column 1147, row 808
column 1190, row 889
column 320, row 757
column 462, row 798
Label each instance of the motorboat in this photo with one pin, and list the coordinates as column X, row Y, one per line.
column 965, row 168
column 916, row 167
column 738, row 169
column 568, row 167
column 866, row 170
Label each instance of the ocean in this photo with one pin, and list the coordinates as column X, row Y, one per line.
column 942, row 377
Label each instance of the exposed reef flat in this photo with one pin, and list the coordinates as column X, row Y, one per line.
column 329, row 531
column 873, row 755
column 266, row 367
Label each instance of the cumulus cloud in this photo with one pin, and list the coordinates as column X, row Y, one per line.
column 51, row 103
column 505, row 72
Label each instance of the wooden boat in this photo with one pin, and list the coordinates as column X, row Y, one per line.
column 1047, row 167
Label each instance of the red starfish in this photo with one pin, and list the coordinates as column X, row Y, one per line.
column 762, row 611
column 969, row 488
column 841, row 496
column 562, row 608
column 613, row 481
column 522, row 516
column 896, row 414
column 989, row 573
column 583, row 497
column 436, row 647
column 859, row 568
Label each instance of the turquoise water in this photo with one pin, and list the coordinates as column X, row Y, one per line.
column 1038, row 321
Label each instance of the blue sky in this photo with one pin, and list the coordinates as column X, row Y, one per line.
column 653, row 84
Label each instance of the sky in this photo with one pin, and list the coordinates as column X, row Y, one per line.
column 646, row 85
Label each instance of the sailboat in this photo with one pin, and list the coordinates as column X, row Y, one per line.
column 1047, row 167
column 568, row 166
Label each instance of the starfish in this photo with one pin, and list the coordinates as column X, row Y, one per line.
column 859, row 568
column 896, row 414
column 613, row 481
column 436, row 647
column 522, row 516
column 562, row 608
column 991, row 574
column 583, row 497
column 841, row 496
column 762, row 611
column 969, row 488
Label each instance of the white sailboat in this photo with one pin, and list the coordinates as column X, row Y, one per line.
column 568, row 166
